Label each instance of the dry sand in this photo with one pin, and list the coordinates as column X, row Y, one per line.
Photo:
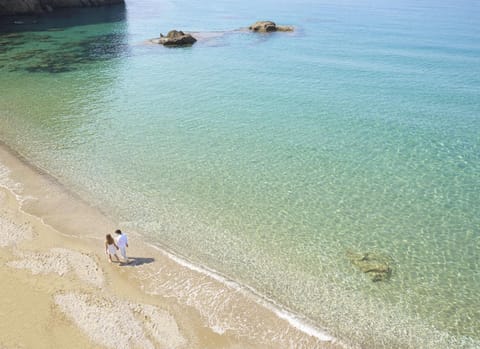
column 59, row 290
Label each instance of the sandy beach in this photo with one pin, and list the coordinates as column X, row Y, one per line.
column 59, row 290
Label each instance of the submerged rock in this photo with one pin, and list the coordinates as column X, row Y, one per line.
column 176, row 38
column 269, row 26
column 375, row 265
column 68, row 56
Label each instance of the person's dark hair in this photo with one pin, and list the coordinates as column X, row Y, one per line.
column 109, row 239
column 118, row 231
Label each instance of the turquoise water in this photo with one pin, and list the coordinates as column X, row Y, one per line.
column 270, row 158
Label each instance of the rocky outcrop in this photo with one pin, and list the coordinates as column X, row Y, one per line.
column 269, row 26
column 25, row 7
column 375, row 265
column 176, row 38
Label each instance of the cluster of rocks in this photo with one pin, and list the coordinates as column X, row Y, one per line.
column 176, row 38
column 375, row 265
column 179, row 38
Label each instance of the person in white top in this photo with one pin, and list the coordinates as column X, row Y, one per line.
column 122, row 243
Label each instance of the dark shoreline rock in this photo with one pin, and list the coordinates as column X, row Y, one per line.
column 35, row 7
column 176, row 38
column 268, row 27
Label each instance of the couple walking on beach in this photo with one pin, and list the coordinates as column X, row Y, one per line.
column 111, row 247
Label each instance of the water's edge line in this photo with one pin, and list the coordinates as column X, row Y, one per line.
column 297, row 321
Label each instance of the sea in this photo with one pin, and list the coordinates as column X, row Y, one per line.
column 278, row 160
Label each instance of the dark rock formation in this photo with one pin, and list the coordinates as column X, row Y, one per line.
column 269, row 26
column 376, row 265
column 176, row 38
column 25, row 7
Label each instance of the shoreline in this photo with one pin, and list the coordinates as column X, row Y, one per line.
column 200, row 307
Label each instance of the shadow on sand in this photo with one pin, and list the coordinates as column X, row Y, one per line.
column 136, row 261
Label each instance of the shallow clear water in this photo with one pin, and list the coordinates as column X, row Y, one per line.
column 271, row 157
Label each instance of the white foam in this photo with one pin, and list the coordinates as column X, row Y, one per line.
column 290, row 317
column 302, row 325
column 8, row 183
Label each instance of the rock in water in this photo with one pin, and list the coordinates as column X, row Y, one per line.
column 376, row 265
column 263, row 26
column 269, row 26
column 176, row 38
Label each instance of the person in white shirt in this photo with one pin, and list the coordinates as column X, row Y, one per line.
column 122, row 243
